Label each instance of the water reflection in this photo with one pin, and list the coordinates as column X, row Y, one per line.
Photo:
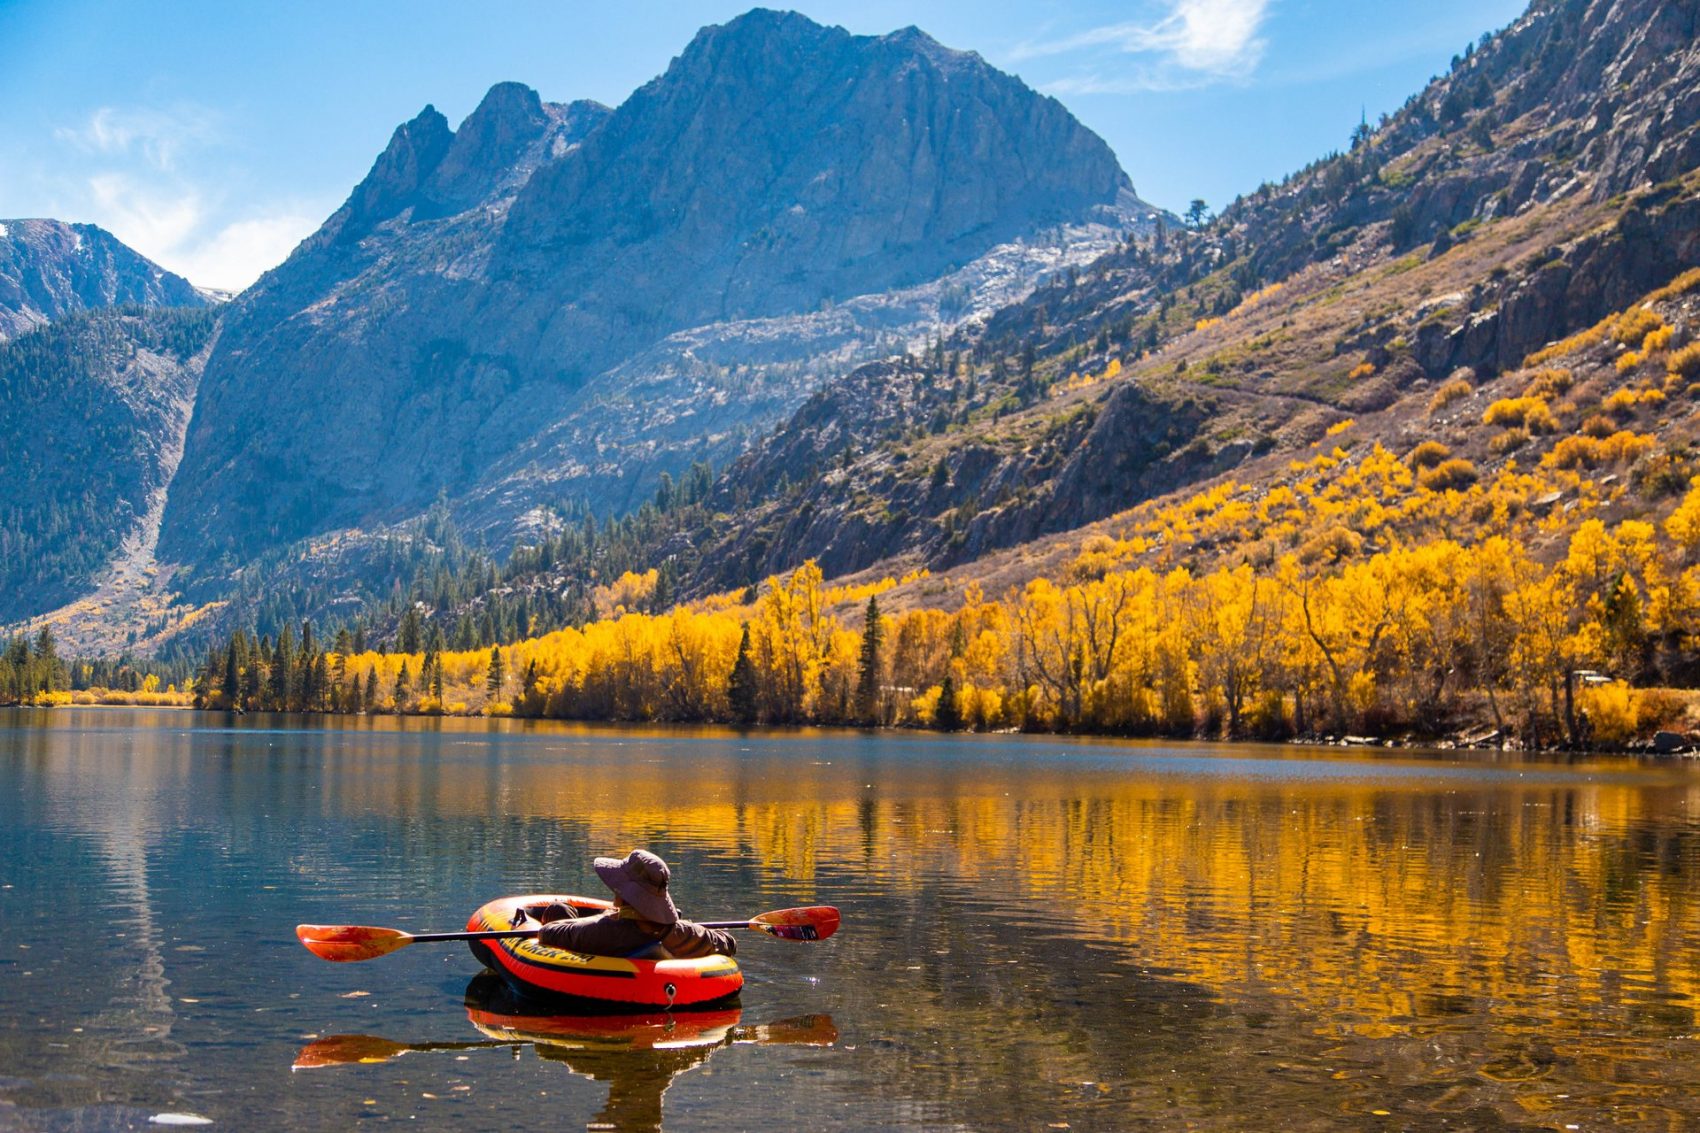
column 1038, row 931
column 638, row 1056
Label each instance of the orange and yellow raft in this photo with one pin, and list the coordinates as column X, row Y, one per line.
column 534, row 969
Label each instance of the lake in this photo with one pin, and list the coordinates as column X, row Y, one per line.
column 1038, row 932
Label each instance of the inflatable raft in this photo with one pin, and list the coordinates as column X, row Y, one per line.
column 630, row 983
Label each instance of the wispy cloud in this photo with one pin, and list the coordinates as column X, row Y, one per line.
column 143, row 216
column 158, row 136
column 158, row 179
column 1183, row 44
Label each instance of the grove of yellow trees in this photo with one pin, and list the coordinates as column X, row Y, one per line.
column 1412, row 638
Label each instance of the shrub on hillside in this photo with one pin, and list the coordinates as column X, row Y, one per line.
column 1685, row 363
column 1450, row 475
column 1509, row 441
column 1330, row 546
column 1634, row 325
column 1428, row 454
column 1593, row 452
column 1549, row 383
column 1619, row 402
column 1453, row 390
column 1530, row 413
column 1622, row 402
column 1599, row 426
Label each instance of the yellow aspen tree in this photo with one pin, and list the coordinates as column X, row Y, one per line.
column 1233, row 625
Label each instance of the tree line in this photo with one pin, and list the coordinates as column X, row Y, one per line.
column 1416, row 640
column 32, row 670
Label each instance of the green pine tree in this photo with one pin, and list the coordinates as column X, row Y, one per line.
column 410, row 630
column 283, row 672
column 232, row 674
column 321, row 684
column 253, row 680
column 948, row 716
column 51, row 672
column 869, row 670
column 741, row 688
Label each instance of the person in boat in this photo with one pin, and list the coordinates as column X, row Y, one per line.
column 643, row 916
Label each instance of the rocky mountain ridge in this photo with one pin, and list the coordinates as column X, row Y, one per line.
column 1547, row 180
column 93, row 408
column 777, row 170
column 50, row 269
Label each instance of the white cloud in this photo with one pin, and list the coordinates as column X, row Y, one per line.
column 1190, row 43
column 176, row 230
column 160, row 182
column 160, row 137
column 174, row 227
column 149, row 220
column 237, row 254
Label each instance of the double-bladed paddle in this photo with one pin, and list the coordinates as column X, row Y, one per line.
column 346, row 943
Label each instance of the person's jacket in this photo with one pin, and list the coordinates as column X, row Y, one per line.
column 613, row 934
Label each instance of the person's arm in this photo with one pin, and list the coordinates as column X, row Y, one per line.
column 601, row 935
column 688, row 940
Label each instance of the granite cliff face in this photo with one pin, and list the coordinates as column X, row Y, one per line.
column 778, row 165
column 478, row 293
column 50, row 269
column 92, row 414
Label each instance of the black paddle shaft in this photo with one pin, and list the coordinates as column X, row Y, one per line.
column 515, row 933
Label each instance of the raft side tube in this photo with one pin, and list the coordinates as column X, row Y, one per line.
column 539, row 972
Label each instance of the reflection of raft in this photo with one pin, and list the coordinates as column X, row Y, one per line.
column 633, row 983
column 638, row 1055
column 506, row 1020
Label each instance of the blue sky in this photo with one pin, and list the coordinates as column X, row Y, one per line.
column 214, row 136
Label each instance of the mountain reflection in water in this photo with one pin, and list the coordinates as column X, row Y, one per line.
column 1036, row 930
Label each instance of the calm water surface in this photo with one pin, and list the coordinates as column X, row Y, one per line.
column 1038, row 933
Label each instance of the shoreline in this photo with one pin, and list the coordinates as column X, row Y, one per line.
column 1677, row 746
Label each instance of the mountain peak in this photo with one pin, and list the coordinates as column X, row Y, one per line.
column 917, row 42
column 489, row 144
column 776, row 167
column 49, row 269
column 506, row 102
column 767, row 21
column 763, row 30
column 415, row 149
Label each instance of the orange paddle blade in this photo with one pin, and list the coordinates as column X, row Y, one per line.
column 816, row 922
column 805, row 1030
column 339, row 1050
column 345, row 943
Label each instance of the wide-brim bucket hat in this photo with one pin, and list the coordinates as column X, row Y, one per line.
column 641, row 879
